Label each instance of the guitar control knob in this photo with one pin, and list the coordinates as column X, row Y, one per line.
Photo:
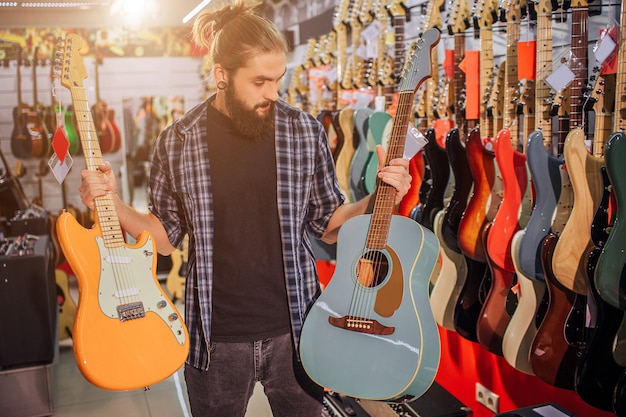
column 173, row 317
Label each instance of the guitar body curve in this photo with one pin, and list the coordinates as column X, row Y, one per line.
column 439, row 169
column 412, row 197
column 472, row 224
column 21, row 142
column 364, row 365
column 344, row 157
column 525, row 320
column 512, row 165
column 546, row 177
column 112, row 353
column 379, row 129
column 494, row 318
column 597, row 373
column 552, row 358
column 361, row 154
column 459, row 164
column 610, row 275
column 470, row 300
column 450, row 282
column 568, row 261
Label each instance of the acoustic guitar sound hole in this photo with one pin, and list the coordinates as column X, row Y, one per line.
column 372, row 268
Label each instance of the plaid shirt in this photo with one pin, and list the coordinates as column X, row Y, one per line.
column 180, row 195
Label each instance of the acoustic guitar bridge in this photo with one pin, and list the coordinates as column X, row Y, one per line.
column 361, row 325
column 131, row 311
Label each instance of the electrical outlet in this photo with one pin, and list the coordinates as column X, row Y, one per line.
column 487, row 398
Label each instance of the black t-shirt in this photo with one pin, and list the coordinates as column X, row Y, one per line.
column 249, row 293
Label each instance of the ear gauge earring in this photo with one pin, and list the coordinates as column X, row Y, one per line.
column 221, row 85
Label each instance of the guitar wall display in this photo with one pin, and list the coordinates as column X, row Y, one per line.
column 531, row 128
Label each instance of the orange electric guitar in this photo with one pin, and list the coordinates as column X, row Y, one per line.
column 127, row 333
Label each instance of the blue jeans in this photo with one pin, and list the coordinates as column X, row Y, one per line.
column 225, row 389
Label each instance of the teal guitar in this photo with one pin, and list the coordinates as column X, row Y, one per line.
column 378, row 131
column 610, row 275
column 361, row 154
column 375, row 311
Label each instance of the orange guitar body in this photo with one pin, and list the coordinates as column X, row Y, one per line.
column 111, row 353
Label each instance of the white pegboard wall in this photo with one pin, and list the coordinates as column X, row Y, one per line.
column 119, row 79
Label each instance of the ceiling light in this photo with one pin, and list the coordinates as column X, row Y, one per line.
column 195, row 10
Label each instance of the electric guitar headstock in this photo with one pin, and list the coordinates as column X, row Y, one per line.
column 544, row 7
column 365, row 13
column 484, row 14
column 513, row 10
column 602, row 101
column 341, row 14
column 459, row 18
column 432, row 18
column 72, row 68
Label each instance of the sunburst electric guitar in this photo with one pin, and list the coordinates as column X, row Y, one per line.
column 127, row 334
column 375, row 311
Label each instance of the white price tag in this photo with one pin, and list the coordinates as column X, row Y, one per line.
column 58, row 168
column 560, row 78
column 604, row 48
column 415, row 141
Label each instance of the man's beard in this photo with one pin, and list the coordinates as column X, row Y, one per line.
column 246, row 120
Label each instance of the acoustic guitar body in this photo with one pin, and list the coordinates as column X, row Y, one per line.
column 385, row 340
column 21, row 143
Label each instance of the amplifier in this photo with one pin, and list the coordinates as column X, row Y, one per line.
column 28, row 304
column 33, row 221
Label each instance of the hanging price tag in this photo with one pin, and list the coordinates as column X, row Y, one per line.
column 58, row 168
column 448, row 63
column 560, row 78
column 60, row 144
column 471, row 67
column 527, row 56
column 414, row 142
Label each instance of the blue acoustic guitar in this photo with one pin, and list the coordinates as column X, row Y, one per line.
column 375, row 311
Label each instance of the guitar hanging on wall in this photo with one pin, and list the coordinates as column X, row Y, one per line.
column 127, row 333
column 375, row 311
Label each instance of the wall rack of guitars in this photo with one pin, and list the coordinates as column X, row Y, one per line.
column 521, row 179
